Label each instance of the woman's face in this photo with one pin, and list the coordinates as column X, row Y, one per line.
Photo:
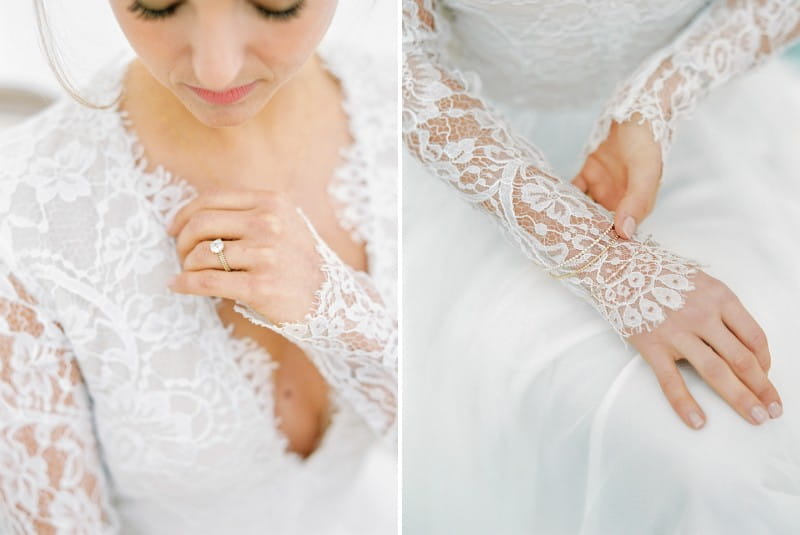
column 215, row 46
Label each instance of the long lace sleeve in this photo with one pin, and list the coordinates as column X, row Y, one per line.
column 351, row 336
column 461, row 139
column 51, row 479
column 727, row 38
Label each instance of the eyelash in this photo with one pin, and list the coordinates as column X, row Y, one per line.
column 153, row 14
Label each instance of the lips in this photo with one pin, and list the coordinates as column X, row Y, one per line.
column 223, row 97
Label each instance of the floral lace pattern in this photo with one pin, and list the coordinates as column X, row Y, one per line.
column 457, row 134
column 45, row 415
column 726, row 39
column 349, row 335
column 115, row 391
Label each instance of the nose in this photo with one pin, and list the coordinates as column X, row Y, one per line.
column 217, row 50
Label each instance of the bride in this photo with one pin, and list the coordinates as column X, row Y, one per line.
column 198, row 283
column 647, row 396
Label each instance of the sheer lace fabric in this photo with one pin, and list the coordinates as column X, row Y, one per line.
column 350, row 333
column 350, row 336
column 51, row 479
column 728, row 38
column 117, row 394
column 462, row 139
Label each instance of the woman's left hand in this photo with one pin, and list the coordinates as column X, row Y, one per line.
column 275, row 267
column 624, row 173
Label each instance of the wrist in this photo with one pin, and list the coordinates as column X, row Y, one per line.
column 635, row 282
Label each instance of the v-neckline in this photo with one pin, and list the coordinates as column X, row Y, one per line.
column 166, row 192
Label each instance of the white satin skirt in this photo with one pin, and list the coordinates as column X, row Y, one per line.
column 523, row 412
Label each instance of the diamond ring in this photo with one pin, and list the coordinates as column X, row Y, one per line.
column 216, row 247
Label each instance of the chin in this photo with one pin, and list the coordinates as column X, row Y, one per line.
column 223, row 116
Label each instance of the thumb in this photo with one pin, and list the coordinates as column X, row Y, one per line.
column 636, row 204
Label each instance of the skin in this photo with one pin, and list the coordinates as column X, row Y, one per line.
column 713, row 330
column 249, row 162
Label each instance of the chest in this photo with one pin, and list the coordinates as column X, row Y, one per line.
column 306, row 161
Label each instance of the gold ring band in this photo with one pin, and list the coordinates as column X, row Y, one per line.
column 217, row 247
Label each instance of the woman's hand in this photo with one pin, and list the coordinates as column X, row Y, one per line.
column 624, row 173
column 276, row 269
column 726, row 346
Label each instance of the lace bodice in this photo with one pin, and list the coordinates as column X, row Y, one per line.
column 464, row 59
column 529, row 41
column 119, row 396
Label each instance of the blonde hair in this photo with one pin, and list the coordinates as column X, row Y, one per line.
column 53, row 55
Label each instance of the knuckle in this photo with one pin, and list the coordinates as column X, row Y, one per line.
column 723, row 293
column 670, row 384
column 268, row 222
column 263, row 256
column 715, row 370
column 204, row 281
column 268, row 257
column 766, row 390
column 713, row 287
column 758, row 338
column 742, row 361
column 262, row 223
column 275, row 224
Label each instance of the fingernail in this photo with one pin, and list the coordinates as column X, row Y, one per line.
column 759, row 414
column 775, row 409
column 696, row 420
column 629, row 226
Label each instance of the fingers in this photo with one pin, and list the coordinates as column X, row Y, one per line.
column 745, row 365
column 235, row 285
column 638, row 200
column 718, row 374
column 597, row 181
column 580, row 183
column 747, row 330
column 210, row 225
column 674, row 388
column 221, row 199
column 240, row 255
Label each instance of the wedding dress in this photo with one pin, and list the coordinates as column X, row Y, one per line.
column 525, row 411
column 128, row 408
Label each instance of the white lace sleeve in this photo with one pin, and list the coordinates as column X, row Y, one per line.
column 460, row 138
column 51, row 477
column 727, row 38
column 350, row 336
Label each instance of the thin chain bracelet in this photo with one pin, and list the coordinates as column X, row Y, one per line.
column 550, row 269
column 642, row 245
column 589, row 263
